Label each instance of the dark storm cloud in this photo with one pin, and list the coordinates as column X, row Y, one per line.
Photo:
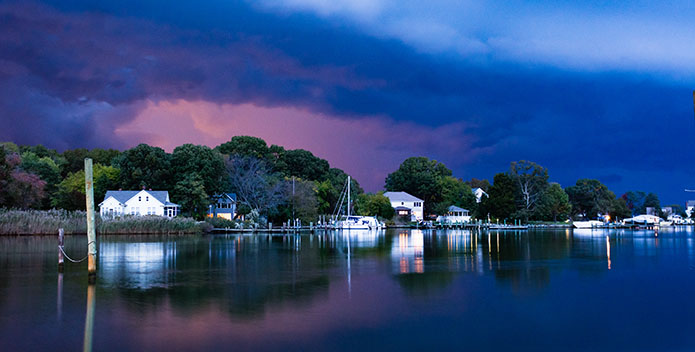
column 71, row 65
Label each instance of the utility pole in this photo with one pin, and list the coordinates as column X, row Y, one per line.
column 91, row 225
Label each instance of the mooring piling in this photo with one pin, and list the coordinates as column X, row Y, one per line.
column 61, row 259
column 91, row 225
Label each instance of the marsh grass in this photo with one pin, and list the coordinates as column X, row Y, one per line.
column 47, row 222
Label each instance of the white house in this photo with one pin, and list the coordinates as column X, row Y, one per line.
column 406, row 204
column 689, row 206
column 455, row 215
column 145, row 202
column 479, row 193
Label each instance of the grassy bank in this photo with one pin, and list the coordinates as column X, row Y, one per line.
column 47, row 222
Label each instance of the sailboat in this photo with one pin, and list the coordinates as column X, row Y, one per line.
column 356, row 222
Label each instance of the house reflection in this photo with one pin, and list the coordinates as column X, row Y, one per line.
column 139, row 265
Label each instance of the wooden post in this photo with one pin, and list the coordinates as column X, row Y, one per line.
column 91, row 226
column 61, row 236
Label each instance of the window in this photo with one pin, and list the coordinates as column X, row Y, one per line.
column 147, row 198
column 139, row 199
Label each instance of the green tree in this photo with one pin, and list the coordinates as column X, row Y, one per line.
column 652, row 201
column 200, row 160
column 70, row 194
column 189, row 192
column 329, row 190
column 374, row 204
column 303, row 164
column 301, row 201
column 619, row 209
column 245, row 146
column 144, row 167
column 455, row 192
column 421, row 177
column 634, row 201
column 500, row 203
column 482, row 184
column 554, row 204
column 589, row 198
column 46, row 169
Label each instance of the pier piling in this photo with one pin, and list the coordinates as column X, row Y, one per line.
column 61, row 259
column 91, row 225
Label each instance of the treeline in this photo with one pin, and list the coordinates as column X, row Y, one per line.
column 523, row 192
column 279, row 184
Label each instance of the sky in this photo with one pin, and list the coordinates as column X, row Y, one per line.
column 591, row 89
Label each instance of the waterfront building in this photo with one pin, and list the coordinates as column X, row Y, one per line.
column 137, row 203
column 479, row 193
column 407, row 205
column 223, row 206
column 455, row 215
column 689, row 206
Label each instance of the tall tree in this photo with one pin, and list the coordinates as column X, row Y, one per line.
column 652, row 201
column 531, row 181
column 303, row 164
column 200, row 160
column 589, row 198
column 554, row 204
column 145, row 167
column 189, row 192
column 301, row 201
column 455, row 192
column 500, row 203
column 245, row 146
column 254, row 184
column 421, row 177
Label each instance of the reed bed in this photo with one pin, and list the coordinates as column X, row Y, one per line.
column 47, row 222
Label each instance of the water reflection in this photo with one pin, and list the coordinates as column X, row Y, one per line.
column 266, row 291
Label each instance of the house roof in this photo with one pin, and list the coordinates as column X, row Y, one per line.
column 454, row 208
column 124, row 196
column 690, row 203
column 476, row 190
column 225, row 196
column 401, row 197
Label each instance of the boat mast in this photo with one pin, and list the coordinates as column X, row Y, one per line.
column 348, row 194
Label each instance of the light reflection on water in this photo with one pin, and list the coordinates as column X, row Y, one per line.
column 357, row 289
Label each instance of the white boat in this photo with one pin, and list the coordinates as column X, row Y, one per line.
column 356, row 222
column 588, row 224
column 360, row 223
column 643, row 220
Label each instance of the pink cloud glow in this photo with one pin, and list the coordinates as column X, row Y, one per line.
column 366, row 147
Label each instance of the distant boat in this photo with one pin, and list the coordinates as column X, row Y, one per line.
column 356, row 222
column 588, row 224
column 643, row 220
column 359, row 223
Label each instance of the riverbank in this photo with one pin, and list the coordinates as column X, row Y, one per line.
column 47, row 222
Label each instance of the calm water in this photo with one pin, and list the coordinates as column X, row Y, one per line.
column 399, row 290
